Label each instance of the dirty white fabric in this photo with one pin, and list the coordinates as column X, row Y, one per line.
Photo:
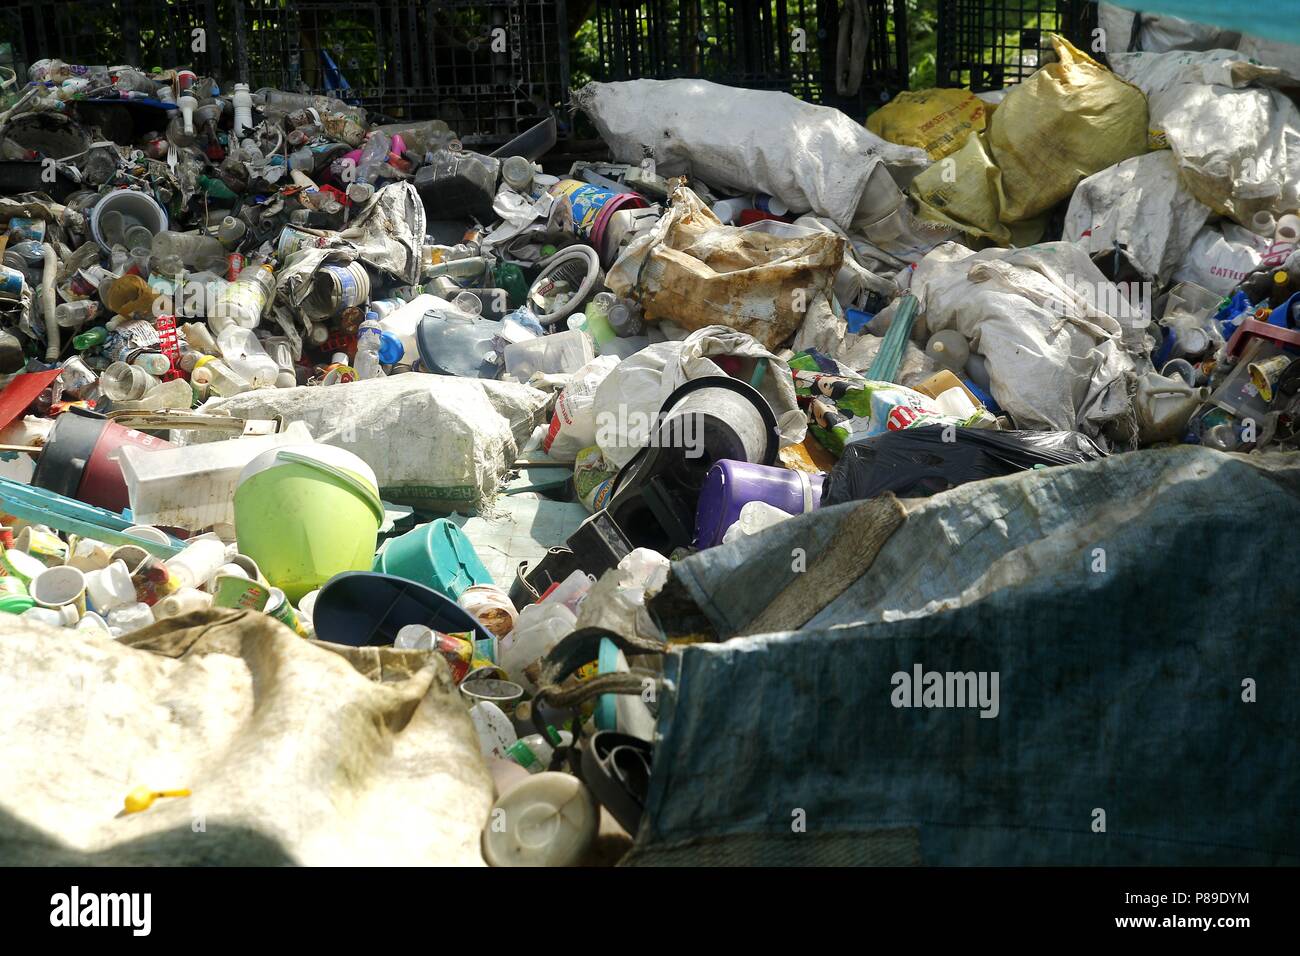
column 636, row 389
column 435, row 441
column 812, row 158
column 294, row 753
column 1143, row 205
column 1236, row 137
column 1039, row 317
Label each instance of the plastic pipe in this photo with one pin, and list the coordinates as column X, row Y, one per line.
column 50, row 300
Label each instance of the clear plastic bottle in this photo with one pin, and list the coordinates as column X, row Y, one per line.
column 243, row 110
column 73, row 315
column 373, row 155
column 368, row 342
column 248, row 297
column 121, row 382
column 241, row 350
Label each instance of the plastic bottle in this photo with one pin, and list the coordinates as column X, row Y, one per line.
column 1280, row 289
column 404, row 322
column 534, row 752
column 241, row 350
column 368, row 342
column 248, row 297
column 154, row 363
column 598, row 327
column 73, row 315
column 949, row 349
column 89, row 339
column 196, row 564
column 231, row 231
column 625, row 318
column 243, row 110
column 373, row 155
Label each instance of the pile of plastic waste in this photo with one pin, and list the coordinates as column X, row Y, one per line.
column 261, row 354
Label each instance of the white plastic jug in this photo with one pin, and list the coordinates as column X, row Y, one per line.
column 540, row 627
column 405, row 322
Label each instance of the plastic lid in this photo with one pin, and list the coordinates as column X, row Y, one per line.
column 391, row 348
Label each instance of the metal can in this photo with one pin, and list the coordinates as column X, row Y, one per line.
column 234, row 263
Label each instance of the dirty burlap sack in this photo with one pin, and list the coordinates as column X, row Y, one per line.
column 1069, row 120
column 296, row 752
column 696, row 272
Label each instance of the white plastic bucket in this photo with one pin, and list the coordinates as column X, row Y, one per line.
column 137, row 209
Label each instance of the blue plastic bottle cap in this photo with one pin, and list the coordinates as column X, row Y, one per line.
column 391, row 349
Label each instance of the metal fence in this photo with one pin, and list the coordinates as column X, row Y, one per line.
column 789, row 45
column 989, row 44
column 490, row 68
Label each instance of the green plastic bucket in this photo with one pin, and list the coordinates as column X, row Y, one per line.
column 437, row 555
column 304, row 516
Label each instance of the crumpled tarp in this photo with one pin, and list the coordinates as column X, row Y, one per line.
column 296, row 752
column 1122, row 603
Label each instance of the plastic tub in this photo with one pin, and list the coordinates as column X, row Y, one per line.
column 437, row 555
column 136, row 209
column 80, row 459
column 305, row 513
column 729, row 485
column 193, row 487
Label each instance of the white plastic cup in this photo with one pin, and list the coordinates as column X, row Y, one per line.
column 60, row 587
column 110, row 587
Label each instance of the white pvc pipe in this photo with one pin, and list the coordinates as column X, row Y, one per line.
column 50, row 300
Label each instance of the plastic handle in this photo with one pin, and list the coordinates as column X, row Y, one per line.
column 367, row 493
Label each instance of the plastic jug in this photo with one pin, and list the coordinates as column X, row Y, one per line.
column 540, row 627
column 1164, row 406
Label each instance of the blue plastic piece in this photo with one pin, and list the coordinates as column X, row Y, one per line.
column 857, row 319
column 391, row 349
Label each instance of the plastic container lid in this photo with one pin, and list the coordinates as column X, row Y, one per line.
column 551, row 820
column 325, row 454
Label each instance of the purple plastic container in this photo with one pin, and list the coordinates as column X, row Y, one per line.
column 730, row 485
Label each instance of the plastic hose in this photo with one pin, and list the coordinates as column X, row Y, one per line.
column 50, row 303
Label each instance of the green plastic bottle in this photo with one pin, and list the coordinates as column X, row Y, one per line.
column 89, row 339
column 511, row 278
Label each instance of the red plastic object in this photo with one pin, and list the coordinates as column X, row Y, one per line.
column 22, row 391
column 169, row 344
column 1254, row 329
column 751, row 216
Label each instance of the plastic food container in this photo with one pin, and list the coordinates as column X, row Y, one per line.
column 194, row 486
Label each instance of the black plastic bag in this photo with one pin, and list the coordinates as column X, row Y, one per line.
column 917, row 462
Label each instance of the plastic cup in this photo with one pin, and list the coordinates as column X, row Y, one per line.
column 110, row 587
column 57, row 588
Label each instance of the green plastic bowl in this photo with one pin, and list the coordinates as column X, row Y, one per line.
column 304, row 516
